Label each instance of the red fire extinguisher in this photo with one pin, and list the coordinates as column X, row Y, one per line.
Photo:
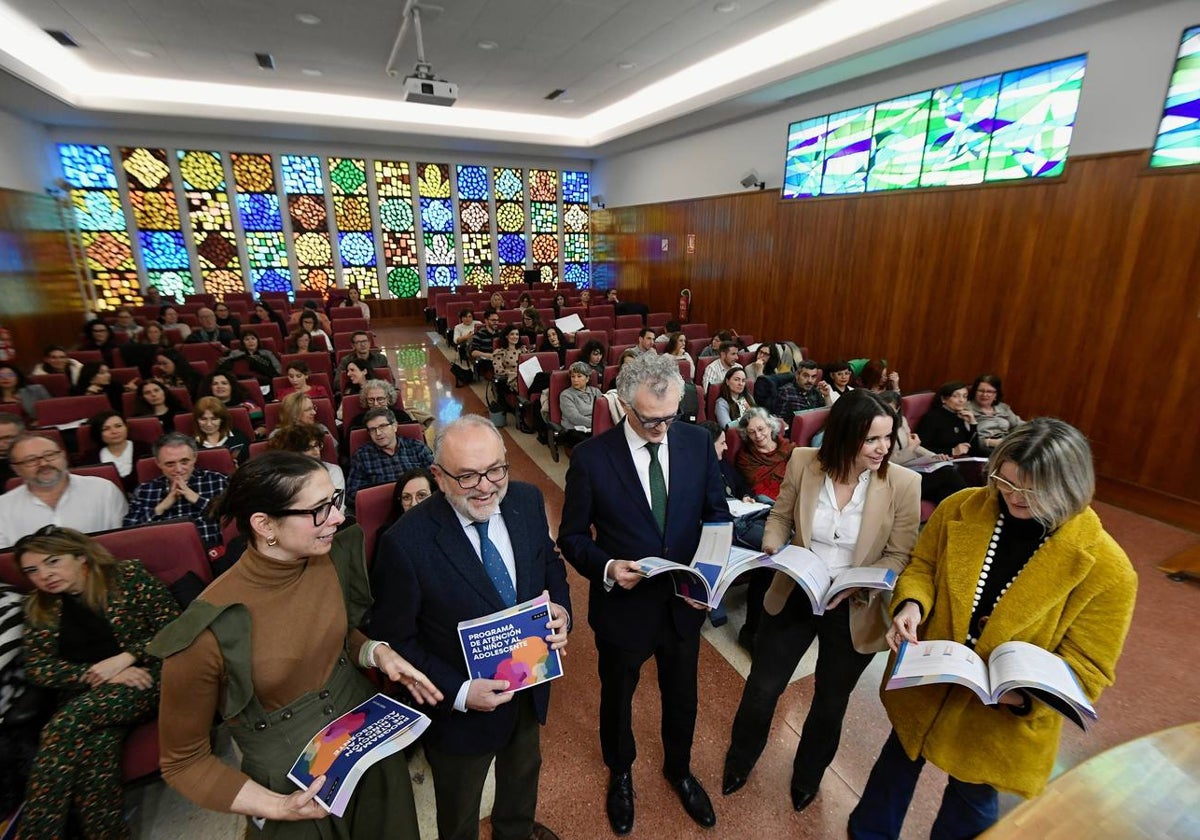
column 685, row 305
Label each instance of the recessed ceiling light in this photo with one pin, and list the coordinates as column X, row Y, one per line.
column 725, row 8
column 487, row 45
column 311, row 71
column 626, row 65
column 308, row 19
column 138, row 52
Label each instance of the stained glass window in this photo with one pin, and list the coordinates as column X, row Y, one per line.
column 262, row 223
column 393, row 183
column 352, row 212
column 212, row 221
column 543, row 222
column 108, row 251
column 511, row 241
column 156, row 217
column 304, row 187
column 577, row 197
column 437, row 224
column 474, row 218
column 1178, row 142
column 999, row 127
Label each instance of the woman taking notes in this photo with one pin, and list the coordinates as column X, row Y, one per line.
column 1024, row 558
column 849, row 509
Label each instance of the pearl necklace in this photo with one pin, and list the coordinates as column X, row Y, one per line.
column 987, row 567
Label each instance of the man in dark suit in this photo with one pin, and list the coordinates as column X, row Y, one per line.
column 644, row 500
column 478, row 546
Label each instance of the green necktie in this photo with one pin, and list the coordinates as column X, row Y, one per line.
column 658, row 488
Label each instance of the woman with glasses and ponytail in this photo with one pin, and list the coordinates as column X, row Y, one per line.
column 273, row 645
column 1026, row 559
column 88, row 623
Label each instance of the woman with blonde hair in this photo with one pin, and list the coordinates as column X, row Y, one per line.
column 88, row 622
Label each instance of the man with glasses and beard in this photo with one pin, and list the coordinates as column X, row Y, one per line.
column 480, row 545
column 644, row 499
column 52, row 496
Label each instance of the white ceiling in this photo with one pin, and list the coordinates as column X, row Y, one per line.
column 577, row 45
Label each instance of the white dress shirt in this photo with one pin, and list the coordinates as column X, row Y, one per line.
column 123, row 462
column 89, row 504
column 835, row 532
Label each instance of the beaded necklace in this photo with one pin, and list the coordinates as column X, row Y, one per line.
column 989, row 557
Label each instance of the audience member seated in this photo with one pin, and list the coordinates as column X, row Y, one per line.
column 762, row 459
column 504, row 362
column 181, row 492
column 227, row 320
column 993, row 416
column 155, row 400
column 726, row 361
column 56, row 360
column 11, row 425
column 669, row 329
column 385, row 456
column 525, row 301
column 297, row 374
column 354, row 299
column 152, row 297
column 309, row 440
column 464, row 333
column 786, row 356
column 298, row 409
column 714, row 345
column 126, row 325
column 96, row 378
column 264, row 314
column 152, row 334
column 936, row 485
column 98, row 336
column 321, row 321
column 531, row 327
column 496, row 302
column 592, row 355
column 585, row 298
column 89, row 620
column 734, row 401
column 838, row 376
column 361, row 342
column 553, row 341
column 483, row 342
column 209, row 330
column 264, row 364
column 111, row 434
column 876, row 377
column 676, row 345
column 213, row 428
column 948, row 428
column 232, row 394
column 645, row 342
column 358, row 374
column 626, row 307
column 758, row 366
column 576, row 403
column 170, row 320
column 377, row 393
column 625, row 357
column 298, row 341
column 175, row 371
column 804, row 393
column 50, row 495
column 17, row 397
column 319, row 338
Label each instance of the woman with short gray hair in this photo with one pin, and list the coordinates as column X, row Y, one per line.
column 576, row 404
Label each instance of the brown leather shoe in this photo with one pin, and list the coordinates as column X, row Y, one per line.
column 540, row 832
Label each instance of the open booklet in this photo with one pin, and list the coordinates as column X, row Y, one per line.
column 344, row 749
column 928, row 464
column 511, row 645
column 1011, row 665
column 717, row 563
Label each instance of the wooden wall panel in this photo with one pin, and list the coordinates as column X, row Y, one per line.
column 1081, row 293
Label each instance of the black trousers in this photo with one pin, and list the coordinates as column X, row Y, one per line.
column 781, row 642
column 620, row 670
column 458, row 782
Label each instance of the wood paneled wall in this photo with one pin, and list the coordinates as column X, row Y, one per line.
column 1082, row 293
column 40, row 300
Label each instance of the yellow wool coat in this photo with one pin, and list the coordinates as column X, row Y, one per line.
column 1074, row 598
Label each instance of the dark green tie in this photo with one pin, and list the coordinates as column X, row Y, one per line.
column 658, row 488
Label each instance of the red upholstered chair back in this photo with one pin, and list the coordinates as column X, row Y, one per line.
column 806, row 424
column 217, row 460
column 915, row 405
column 601, row 417
column 57, row 384
column 61, row 411
column 372, row 507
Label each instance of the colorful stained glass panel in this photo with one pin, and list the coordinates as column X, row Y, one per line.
column 437, row 224
column 805, row 158
column 259, row 212
column 898, row 142
column 577, row 196
column 1178, row 141
column 304, row 186
column 474, row 215
column 211, row 218
column 1035, row 115
column 960, row 126
column 156, row 217
column 352, row 214
column 848, row 151
column 393, row 184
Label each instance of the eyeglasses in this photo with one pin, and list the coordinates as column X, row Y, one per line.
column 1006, row 486
column 320, row 513
column 377, row 401
column 470, row 480
column 44, row 458
column 654, row 422
column 378, row 430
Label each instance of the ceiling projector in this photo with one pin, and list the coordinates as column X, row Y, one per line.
column 425, row 90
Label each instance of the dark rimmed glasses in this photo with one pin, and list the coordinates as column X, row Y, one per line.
column 471, row 480
column 654, row 422
column 320, row 513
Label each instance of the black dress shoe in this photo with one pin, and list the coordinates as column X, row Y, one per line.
column 695, row 801
column 620, row 802
column 732, row 781
column 801, row 799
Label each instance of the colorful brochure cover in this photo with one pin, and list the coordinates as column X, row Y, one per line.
column 511, row 645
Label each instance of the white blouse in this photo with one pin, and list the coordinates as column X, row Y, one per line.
column 835, row 532
column 123, row 462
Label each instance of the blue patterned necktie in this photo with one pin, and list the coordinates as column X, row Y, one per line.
column 493, row 564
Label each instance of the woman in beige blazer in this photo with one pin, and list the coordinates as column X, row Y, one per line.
column 846, row 506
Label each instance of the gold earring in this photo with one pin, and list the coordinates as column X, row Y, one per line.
column 272, row 541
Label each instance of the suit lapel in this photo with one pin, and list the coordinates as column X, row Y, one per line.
column 631, row 486
column 460, row 556
column 810, row 492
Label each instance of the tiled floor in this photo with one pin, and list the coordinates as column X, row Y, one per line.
column 1154, row 689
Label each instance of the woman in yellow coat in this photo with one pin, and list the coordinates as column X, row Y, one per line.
column 1024, row 558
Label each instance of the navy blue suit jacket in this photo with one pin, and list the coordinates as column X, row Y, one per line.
column 603, row 490
column 427, row 578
